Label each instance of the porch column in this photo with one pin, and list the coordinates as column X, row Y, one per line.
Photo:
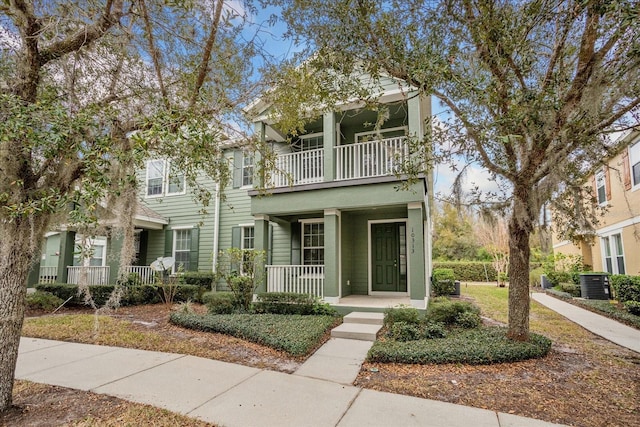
column 67, row 246
column 417, row 271
column 419, row 110
column 330, row 141
column 114, row 247
column 261, row 243
column 332, row 255
column 261, row 131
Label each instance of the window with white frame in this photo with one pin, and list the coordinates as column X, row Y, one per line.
column 181, row 249
column 162, row 179
column 91, row 252
column 613, row 253
column 247, row 240
column 634, row 162
column 312, row 243
column 247, row 169
column 311, row 141
column 601, row 190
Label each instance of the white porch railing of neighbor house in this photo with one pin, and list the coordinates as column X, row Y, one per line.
column 48, row 274
column 145, row 273
column 300, row 279
column 370, row 159
column 303, row 167
column 95, row 275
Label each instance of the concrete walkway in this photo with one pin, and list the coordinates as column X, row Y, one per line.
column 609, row 329
column 235, row 395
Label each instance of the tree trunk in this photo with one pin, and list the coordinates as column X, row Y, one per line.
column 520, row 227
column 16, row 258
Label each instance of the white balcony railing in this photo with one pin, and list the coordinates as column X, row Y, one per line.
column 145, row 274
column 370, row 159
column 48, row 274
column 95, row 275
column 303, row 167
column 300, row 279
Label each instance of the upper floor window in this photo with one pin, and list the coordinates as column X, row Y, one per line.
column 634, row 162
column 601, row 191
column 247, row 169
column 162, row 180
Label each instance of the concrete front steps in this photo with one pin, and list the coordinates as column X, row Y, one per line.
column 359, row 326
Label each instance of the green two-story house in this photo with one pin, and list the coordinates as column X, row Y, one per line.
column 331, row 217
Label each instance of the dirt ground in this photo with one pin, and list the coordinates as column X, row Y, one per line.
column 591, row 385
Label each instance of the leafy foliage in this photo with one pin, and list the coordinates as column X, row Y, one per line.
column 408, row 315
column 471, row 271
column 295, row 334
column 291, row 303
column 627, row 288
column 452, row 312
column 443, row 282
column 40, row 300
column 198, row 278
column 220, row 302
column 469, row 346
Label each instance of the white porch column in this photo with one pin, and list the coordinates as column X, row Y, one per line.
column 329, row 137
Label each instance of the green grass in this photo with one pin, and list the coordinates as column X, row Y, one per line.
column 296, row 334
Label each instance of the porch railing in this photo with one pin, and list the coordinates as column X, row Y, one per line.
column 303, row 167
column 145, row 273
column 300, row 279
column 370, row 159
column 95, row 275
column 48, row 274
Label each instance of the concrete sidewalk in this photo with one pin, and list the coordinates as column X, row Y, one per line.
column 609, row 329
column 235, row 395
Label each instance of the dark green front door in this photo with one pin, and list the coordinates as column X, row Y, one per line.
column 389, row 260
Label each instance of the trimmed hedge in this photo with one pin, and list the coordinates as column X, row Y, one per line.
column 453, row 313
column 291, row 303
column 296, row 334
column 43, row 301
column 480, row 346
column 197, row 278
column 134, row 295
column 219, row 302
column 443, row 281
column 470, row 271
column 394, row 315
column 626, row 288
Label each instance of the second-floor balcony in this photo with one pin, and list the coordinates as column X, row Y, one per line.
column 352, row 161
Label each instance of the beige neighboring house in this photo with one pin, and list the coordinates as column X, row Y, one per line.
column 616, row 245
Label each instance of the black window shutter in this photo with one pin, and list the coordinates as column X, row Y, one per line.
column 168, row 243
column 237, row 169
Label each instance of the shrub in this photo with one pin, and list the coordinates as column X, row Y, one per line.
column 403, row 331
column 632, row 307
column 242, row 287
column 295, row 334
column 197, row 278
column 472, row 346
column 468, row 320
column 443, row 281
column 40, row 300
column 557, row 277
column 570, row 288
column 401, row 314
column 432, row 330
column 188, row 293
column 139, row 295
column 535, row 277
column 447, row 312
column 285, row 303
column 560, row 294
column 627, row 288
column 220, row 302
column 471, row 271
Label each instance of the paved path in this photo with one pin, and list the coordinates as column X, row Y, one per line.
column 235, row 395
column 609, row 329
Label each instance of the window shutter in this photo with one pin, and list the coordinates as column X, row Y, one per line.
column 626, row 169
column 168, row 243
column 594, row 184
column 236, row 235
column 607, row 182
column 193, row 250
column 237, row 169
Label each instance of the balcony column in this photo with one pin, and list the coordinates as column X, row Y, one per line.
column 261, row 243
column 416, row 252
column 330, row 140
column 419, row 111
column 261, row 132
column 332, row 267
column 67, row 246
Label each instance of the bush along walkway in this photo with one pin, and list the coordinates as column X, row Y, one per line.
column 611, row 330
